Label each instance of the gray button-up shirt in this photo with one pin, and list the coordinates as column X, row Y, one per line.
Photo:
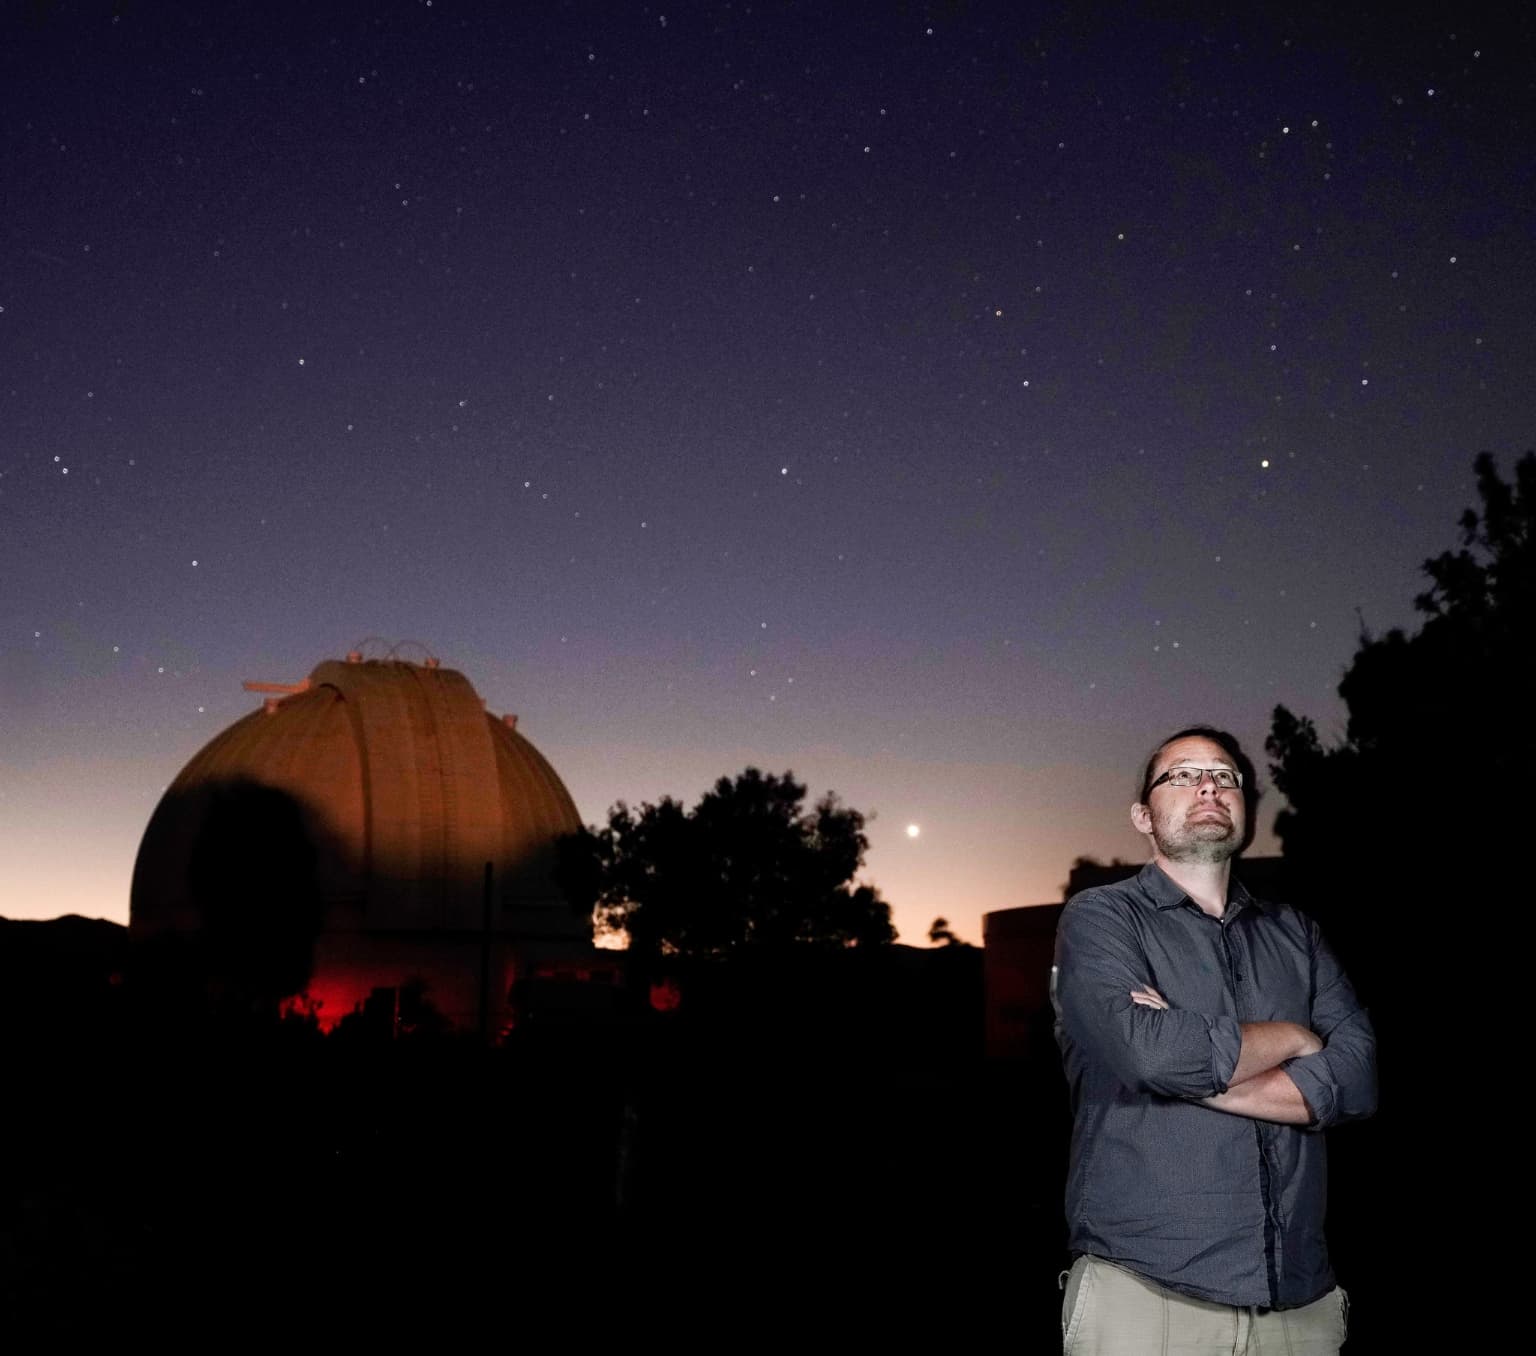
column 1216, row 1206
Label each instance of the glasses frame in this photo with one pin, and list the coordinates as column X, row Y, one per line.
column 1200, row 780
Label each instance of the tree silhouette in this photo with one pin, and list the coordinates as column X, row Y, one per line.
column 749, row 868
column 1428, row 789
column 941, row 934
column 1404, row 840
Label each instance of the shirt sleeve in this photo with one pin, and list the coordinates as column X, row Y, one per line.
column 1339, row 1082
column 1099, row 960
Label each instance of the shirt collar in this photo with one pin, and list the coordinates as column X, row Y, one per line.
column 1166, row 893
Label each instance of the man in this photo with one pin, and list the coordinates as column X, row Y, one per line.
column 1207, row 1036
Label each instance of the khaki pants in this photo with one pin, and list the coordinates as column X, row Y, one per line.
column 1108, row 1311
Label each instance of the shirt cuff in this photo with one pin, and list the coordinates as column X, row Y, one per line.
column 1226, row 1045
column 1314, row 1087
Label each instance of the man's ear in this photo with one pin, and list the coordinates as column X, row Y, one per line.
column 1141, row 818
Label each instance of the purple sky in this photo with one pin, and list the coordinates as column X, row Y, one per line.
column 939, row 402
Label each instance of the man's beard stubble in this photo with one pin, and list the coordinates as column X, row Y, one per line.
column 1186, row 842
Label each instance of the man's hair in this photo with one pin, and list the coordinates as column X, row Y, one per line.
column 1240, row 760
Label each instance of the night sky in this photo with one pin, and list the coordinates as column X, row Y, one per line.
column 941, row 402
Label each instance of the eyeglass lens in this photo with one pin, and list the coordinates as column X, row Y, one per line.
column 1222, row 777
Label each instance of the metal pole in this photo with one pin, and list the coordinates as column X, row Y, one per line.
column 485, row 959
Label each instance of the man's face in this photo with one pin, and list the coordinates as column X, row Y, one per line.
column 1192, row 823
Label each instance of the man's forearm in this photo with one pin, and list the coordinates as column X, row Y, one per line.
column 1267, row 1045
column 1267, row 1096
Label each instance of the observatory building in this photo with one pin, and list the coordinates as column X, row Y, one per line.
column 379, row 809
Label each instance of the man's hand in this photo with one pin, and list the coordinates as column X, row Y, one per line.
column 1148, row 997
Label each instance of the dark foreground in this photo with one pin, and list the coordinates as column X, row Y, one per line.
column 294, row 1188
column 773, row 1161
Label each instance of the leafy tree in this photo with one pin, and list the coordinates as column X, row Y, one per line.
column 749, row 868
column 1405, row 839
column 1428, row 791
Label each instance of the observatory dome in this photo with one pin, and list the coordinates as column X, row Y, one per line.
column 423, row 827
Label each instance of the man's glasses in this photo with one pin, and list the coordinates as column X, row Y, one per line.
column 1222, row 778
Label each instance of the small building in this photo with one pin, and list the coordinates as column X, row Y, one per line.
column 1016, row 976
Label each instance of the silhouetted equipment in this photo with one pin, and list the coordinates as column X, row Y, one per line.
column 373, row 828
